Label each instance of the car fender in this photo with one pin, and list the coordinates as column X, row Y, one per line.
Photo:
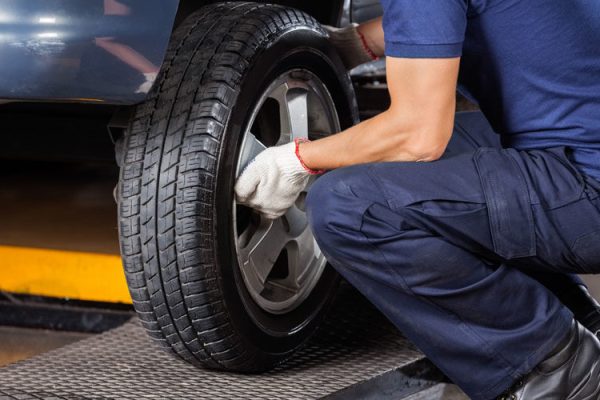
column 97, row 51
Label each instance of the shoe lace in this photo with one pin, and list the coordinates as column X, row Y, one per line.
column 510, row 394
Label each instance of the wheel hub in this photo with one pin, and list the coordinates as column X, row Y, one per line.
column 279, row 260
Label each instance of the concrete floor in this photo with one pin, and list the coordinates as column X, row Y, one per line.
column 19, row 344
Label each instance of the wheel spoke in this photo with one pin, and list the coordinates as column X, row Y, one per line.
column 265, row 245
column 251, row 147
column 293, row 112
column 297, row 107
column 296, row 220
column 301, row 248
column 303, row 256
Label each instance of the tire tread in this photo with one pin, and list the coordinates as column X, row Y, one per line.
column 172, row 148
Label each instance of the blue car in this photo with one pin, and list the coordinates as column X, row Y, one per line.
column 193, row 90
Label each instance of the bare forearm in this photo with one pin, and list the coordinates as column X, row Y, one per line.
column 417, row 126
column 383, row 138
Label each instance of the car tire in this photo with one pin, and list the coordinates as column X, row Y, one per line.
column 179, row 225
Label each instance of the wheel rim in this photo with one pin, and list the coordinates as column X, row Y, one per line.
column 279, row 260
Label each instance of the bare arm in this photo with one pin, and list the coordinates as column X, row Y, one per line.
column 416, row 127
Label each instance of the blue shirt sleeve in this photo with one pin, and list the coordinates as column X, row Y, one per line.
column 424, row 28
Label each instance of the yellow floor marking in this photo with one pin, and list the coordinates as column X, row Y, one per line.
column 64, row 274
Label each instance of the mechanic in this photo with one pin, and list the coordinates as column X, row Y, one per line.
column 469, row 247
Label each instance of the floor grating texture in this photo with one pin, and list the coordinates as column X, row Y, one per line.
column 355, row 344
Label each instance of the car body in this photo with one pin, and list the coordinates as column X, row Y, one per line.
column 67, row 69
column 81, row 51
column 104, row 51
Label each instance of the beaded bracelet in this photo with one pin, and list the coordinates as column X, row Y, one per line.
column 311, row 171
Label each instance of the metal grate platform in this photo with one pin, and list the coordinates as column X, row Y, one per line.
column 356, row 353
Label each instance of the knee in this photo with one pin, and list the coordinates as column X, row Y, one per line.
column 321, row 204
column 333, row 207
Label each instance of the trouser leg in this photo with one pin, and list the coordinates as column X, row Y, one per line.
column 472, row 131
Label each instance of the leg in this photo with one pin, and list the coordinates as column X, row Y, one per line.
column 419, row 242
column 472, row 132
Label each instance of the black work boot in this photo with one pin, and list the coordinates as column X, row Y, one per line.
column 572, row 372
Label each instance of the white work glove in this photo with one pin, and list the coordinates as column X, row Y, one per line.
column 272, row 182
column 351, row 45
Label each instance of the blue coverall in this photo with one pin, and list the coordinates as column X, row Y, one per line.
column 454, row 251
column 448, row 250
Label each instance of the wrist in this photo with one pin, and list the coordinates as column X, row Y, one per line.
column 373, row 36
column 367, row 45
column 298, row 144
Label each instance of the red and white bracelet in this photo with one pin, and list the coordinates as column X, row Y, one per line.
column 311, row 171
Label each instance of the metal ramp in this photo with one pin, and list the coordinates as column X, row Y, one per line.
column 356, row 354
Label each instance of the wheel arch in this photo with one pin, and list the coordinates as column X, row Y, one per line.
column 326, row 15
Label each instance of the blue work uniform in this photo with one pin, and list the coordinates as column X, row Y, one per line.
column 453, row 251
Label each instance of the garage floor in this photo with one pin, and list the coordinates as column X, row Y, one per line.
column 57, row 206
column 20, row 344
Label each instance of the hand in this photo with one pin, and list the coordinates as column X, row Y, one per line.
column 351, row 45
column 272, row 182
